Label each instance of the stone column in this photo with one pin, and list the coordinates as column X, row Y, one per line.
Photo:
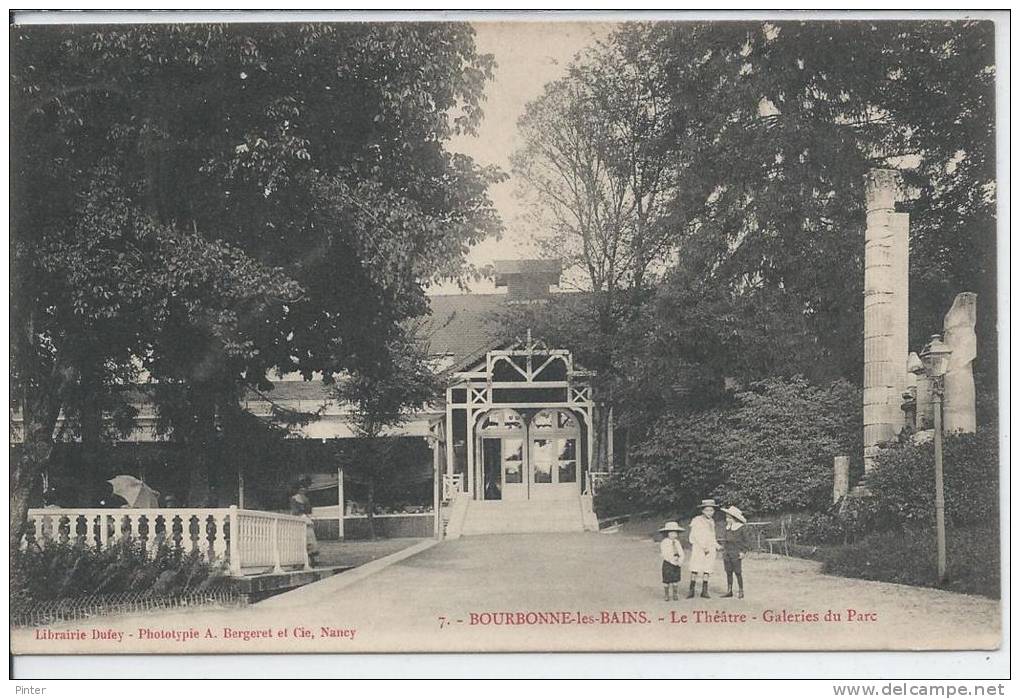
column 958, row 409
column 886, row 278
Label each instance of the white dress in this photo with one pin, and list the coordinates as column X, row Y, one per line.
column 703, row 544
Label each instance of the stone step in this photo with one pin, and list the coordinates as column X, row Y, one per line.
column 523, row 516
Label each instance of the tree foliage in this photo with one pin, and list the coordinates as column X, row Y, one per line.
column 217, row 201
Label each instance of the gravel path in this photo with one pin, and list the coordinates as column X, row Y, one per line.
column 548, row 592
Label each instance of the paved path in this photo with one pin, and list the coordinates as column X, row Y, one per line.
column 427, row 602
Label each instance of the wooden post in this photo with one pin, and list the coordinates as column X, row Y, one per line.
column 436, row 476
column 469, row 442
column 340, row 502
column 610, row 438
column 449, row 431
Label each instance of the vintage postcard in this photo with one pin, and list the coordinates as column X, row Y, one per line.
column 528, row 333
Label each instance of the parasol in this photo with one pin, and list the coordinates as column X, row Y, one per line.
column 134, row 491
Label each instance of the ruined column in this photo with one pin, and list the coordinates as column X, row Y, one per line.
column 840, row 477
column 958, row 409
column 886, row 259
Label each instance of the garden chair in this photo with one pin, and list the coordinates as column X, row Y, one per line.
column 782, row 541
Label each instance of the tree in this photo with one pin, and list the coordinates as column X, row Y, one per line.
column 384, row 397
column 781, row 121
column 229, row 200
column 594, row 162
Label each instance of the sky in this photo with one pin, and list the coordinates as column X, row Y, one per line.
column 528, row 55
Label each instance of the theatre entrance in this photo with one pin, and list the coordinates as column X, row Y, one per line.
column 522, row 458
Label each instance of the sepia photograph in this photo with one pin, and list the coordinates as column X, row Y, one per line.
column 540, row 333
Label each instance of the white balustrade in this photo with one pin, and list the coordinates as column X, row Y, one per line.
column 453, row 485
column 251, row 541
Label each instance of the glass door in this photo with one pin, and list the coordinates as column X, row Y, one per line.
column 553, row 460
column 515, row 484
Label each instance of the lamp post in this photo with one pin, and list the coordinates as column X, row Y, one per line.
column 936, row 360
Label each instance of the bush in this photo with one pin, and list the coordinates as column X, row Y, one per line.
column 613, row 497
column 903, row 481
column 62, row 570
column 771, row 450
column 908, row 557
column 679, row 462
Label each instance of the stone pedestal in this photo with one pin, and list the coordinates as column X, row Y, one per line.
column 840, row 477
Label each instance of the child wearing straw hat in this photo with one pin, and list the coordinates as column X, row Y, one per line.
column 736, row 542
column 672, row 558
column 703, row 546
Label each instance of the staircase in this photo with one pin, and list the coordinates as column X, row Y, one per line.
column 523, row 516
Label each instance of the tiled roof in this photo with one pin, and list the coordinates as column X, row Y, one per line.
column 464, row 325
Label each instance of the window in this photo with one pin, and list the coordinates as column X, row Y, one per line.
column 513, row 460
column 554, row 455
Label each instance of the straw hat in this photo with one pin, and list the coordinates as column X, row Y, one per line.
column 734, row 512
column 671, row 527
column 708, row 502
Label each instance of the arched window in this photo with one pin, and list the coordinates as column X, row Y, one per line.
column 502, row 421
column 554, row 420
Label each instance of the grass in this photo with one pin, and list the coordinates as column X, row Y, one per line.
column 909, row 558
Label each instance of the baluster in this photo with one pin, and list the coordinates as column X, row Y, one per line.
column 113, row 526
column 62, row 533
column 94, row 524
column 39, row 533
column 135, row 527
column 193, row 533
column 104, row 529
column 176, row 529
column 152, row 545
column 219, row 535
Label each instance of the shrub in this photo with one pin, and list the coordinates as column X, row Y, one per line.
column 62, row 570
column 771, row 450
column 613, row 497
column 903, row 482
column 679, row 463
column 908, row 557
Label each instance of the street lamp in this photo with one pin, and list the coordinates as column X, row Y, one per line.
column 936, row 361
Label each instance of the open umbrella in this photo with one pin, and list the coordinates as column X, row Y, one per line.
column 134, row 491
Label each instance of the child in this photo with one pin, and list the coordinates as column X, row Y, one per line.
column 703, row 546
column 672, row 558
column 736, row 542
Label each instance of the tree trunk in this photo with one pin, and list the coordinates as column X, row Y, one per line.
column 39, row 418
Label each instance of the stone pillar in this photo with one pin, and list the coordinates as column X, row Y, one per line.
column 840, row 477
column 958, row 410
column 886, row 278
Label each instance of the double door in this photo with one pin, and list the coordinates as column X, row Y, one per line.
column 530, row 468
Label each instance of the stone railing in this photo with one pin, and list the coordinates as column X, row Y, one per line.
column 265, row 541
